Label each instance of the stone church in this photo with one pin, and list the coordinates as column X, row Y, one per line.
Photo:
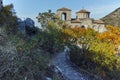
column 82, row 19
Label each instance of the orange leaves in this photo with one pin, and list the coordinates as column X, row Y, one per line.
column 72, row 34
column 75, row 32
column 78, row 34
column 69, row 32
column 114, row 29
column 112, row 35
column 106, row 35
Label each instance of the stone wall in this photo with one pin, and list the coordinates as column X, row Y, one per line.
column 89, row 23
column 82, row 15
column 99, row 27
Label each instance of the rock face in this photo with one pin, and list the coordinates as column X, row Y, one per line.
column 21, row 25
column 29, row 22
column 113, row 18
column 25, row 25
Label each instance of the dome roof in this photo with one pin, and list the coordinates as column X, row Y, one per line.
column 83, row 11
column 63, row 9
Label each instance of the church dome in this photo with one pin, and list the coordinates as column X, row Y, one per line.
column 83, row 11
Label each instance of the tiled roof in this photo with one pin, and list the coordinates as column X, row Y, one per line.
column 98, row 21
column 83, row 11
column 63, row 9
column 75, row 21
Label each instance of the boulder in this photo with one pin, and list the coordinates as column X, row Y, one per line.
column 26, row 26
column 29, row 22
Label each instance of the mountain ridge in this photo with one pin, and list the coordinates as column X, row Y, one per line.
column 113, row 18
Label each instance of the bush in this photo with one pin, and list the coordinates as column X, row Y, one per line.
column 98, row 59
column 21, row 58
column 8, row 19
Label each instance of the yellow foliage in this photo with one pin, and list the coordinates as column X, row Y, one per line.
column 112, row 35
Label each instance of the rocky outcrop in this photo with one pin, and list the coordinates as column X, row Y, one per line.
column 26, row 26
column 113, row 18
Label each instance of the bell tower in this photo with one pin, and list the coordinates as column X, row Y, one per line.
column 64, row 14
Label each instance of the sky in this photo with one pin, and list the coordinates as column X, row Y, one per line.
column 31, row 8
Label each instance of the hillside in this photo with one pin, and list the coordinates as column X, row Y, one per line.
column 22, row 54
column 30, row 53
column 113, row 18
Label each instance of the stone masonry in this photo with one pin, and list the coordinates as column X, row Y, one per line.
column 82, row 19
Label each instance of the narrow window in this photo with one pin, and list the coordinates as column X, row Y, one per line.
column 64, row 16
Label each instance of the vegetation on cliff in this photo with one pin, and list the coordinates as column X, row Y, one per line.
column 23, row 56
column 96, row 52
column 26, row 56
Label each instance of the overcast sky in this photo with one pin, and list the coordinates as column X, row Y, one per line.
column 31, row 8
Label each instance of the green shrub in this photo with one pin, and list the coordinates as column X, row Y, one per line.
column 98, row 59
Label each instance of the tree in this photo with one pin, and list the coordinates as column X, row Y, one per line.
column 79, row 36
column 45, row 17
column 100, row 57
column 111, row 35
column 8, row 19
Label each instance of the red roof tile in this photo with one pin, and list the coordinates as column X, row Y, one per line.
column 75, row 21
column 63, row 9
column 98, row 21
column 83, row 11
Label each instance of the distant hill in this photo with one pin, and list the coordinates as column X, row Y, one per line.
column 113, row 18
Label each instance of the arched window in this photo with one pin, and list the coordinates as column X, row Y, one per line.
column 64, row 16
column 82, row 26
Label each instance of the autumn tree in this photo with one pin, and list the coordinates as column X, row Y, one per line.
column 79, row 36
column 8, row 19
column 100, row 58
column 45, row 17
column 111, row 36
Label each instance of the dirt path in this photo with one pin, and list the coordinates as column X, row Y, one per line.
column 67, row 69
